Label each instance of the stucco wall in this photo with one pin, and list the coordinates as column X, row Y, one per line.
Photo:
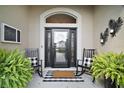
column 102, row 15
column 16, row 16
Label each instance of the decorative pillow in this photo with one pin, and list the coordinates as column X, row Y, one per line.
column 87, row 62
column 34, row 61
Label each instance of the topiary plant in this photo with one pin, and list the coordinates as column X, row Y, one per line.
column 109, row 65
column 15, row 69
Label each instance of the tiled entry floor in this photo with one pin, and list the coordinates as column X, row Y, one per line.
column 37, row 82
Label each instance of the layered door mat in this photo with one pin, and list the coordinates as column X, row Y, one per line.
column 62, row 76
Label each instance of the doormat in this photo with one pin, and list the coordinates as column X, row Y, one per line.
column 62, row 76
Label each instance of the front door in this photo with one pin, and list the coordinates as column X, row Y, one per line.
column 60, row 47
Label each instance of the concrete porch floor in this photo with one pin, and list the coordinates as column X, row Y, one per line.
column 37, row 82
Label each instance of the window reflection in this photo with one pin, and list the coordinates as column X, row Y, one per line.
column 60, row 39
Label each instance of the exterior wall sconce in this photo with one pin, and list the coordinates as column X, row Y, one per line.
column 102, row 39
column 114, row 26
column 104, row 36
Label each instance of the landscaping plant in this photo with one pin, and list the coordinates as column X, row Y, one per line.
column 109, row 65
column 15, row 69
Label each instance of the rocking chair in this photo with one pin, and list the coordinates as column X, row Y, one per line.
column 33, row 55
column 84, row 65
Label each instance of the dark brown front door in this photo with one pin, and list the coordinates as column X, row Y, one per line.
column 60, row 47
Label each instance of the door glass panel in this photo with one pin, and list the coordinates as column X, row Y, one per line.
column 60, row 40
column 49, row 45
column 48, row 48
column 72, row 47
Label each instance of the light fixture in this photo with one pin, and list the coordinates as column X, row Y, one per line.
column 111, row 31
column 104, row 36
column 102, row 39
column 115, row 26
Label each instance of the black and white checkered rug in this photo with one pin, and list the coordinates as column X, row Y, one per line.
column 49, row 78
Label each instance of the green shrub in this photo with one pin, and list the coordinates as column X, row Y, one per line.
column 109, row 65
column 15, row 69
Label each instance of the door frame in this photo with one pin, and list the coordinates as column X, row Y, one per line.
column 43, row 24
column 75, row 46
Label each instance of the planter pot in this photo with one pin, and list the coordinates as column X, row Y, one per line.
column 109, row 84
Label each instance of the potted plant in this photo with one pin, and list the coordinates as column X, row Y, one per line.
column 109, row 66
column 15, row 69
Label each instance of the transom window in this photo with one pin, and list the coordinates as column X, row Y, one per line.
column 60, row 18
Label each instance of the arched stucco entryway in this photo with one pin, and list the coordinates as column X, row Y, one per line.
column 77, row 25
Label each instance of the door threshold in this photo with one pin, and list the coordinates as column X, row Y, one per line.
column 71, row 68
